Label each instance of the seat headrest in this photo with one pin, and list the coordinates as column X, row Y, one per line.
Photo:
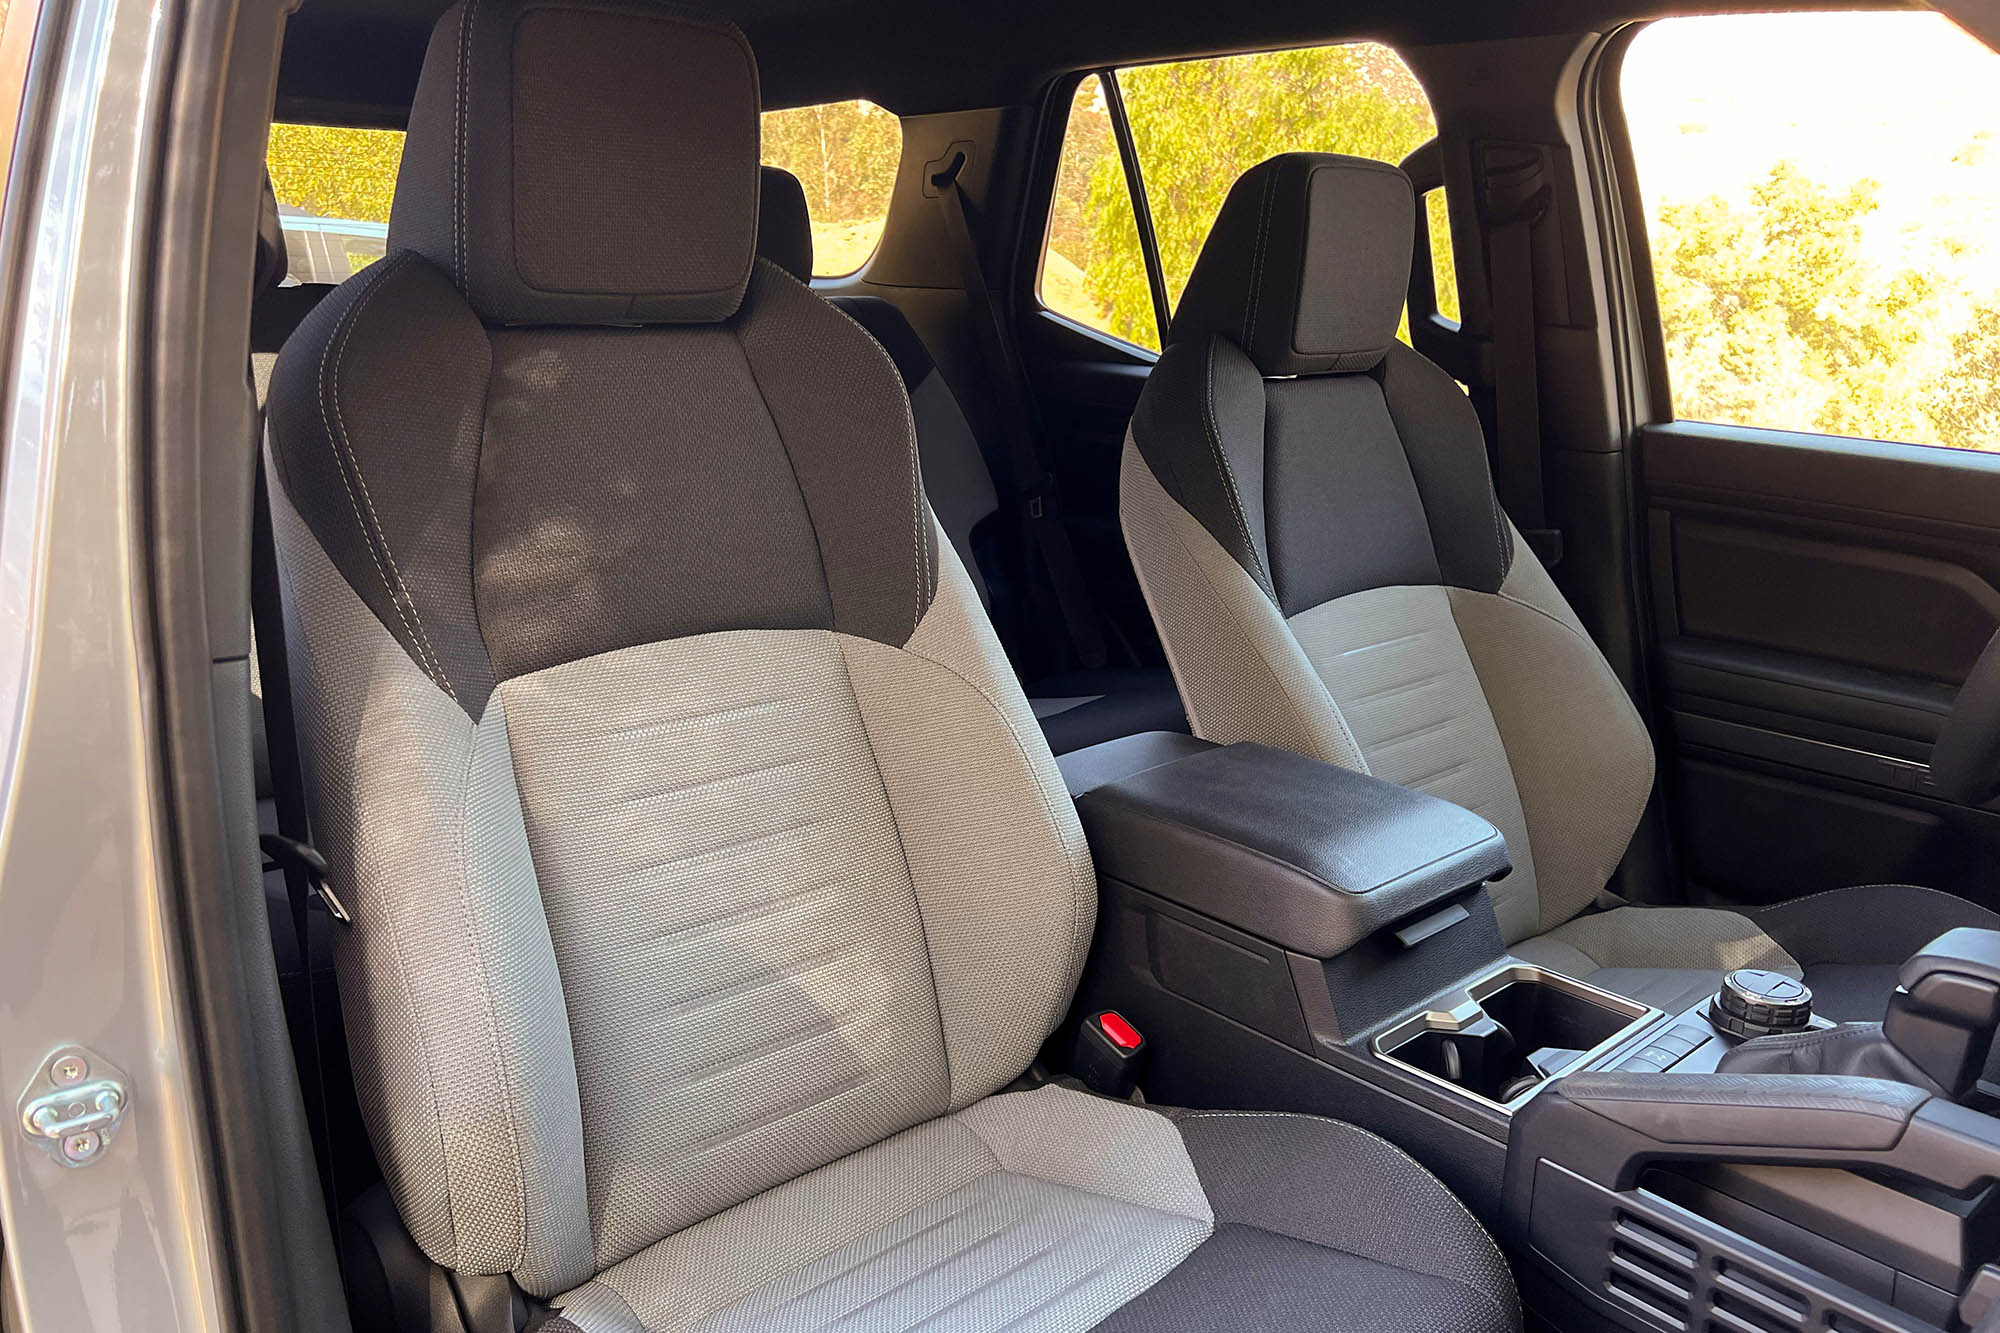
column 784, row 228
column 1307, row 266
column 584, row 162
column 272, row 260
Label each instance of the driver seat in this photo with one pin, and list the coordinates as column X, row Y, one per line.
column 1307, row 504
column 712, row 886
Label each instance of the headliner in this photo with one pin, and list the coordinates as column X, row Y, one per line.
column 356, row 61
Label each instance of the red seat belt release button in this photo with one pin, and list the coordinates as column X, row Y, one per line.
column 1123, row 1035
column 1109, row 1054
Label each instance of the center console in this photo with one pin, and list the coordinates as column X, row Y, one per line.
column 1291, row 935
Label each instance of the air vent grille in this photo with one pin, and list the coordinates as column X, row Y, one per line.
column 1676, row 1283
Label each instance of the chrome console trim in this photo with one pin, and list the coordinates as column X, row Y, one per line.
column 1454, row 1010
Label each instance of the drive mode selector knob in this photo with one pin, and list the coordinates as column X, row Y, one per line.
column 1757, row 1003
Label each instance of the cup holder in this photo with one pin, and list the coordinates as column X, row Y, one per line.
column 1510, row 1031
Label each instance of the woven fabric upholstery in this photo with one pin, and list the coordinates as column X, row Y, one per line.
column 449, row 988
column 535, row 175
column 1669, row 957
column 1241, row 673
column 992, row 1219
column 742, row 953
column 709, row 872
column 1001, row 874
column 1377, row 616
column 1398, row 671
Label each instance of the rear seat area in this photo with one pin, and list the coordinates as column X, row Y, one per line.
column 1075, row 708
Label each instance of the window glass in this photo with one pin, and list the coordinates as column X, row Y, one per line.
column 334, row 187
column 1822, row 200
column 1444, row 275
column 845, row 155
column 1199, row 124
column 1093, row 270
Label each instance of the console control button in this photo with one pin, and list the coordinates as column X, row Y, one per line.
column 1754, row 1002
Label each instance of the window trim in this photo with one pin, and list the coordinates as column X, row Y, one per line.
column 1142, row 209
column 1061, row 106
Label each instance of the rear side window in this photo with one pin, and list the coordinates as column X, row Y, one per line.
column 845, row 155
column 1196, row 125
column 1093, row 270
column 1822, row 204
column 334, row 188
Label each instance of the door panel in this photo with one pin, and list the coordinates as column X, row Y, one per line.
column 1817, row 601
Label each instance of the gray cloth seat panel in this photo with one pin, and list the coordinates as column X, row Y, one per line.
column 1307, row 504
column 1078, row 708
column 710, row 875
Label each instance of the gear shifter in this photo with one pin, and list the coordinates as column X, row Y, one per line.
column 1937, row 1033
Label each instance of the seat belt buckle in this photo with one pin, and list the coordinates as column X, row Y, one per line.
column 1109, row 1054
column 291, row 855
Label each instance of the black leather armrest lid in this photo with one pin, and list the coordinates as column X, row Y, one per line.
column 1302, row 853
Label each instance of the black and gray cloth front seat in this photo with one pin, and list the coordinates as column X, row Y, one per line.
column 1307, row 504
column 710, row 877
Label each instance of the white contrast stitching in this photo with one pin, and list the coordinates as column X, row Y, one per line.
column 458, row 144
column 1254, row 303
column 397, row 589
column 1229, row 473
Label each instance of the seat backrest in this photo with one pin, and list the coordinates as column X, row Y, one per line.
column 695, row 830
column 1307, row 504
column 956, row 475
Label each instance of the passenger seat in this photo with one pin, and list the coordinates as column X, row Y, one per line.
column 1308, row 507
column 1077, row 708
column 711, row 883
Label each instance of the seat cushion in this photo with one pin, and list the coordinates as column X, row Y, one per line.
column 1668, row 957
column 1053, row 1209
column 1080, row 708
column 1852, row 941
column 1320, row 1225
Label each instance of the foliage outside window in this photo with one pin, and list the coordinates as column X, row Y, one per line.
column 334, row 188
column 1822, row 199
column 1093, row 238
column 845, row 154
column 1444, row 274
column 1197, row 125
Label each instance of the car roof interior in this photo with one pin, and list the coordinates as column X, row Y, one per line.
column 355, row 61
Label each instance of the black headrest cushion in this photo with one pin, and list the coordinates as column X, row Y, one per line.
column 1307, row 266
column 784, row 229
column 584, row 161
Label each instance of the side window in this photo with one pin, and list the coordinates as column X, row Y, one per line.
column 1199, row 124
column 1444, row 272
column 1822, row 202
column 334, row 187
column 1093, row 270
column 1196, row 125
column 845, row 155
